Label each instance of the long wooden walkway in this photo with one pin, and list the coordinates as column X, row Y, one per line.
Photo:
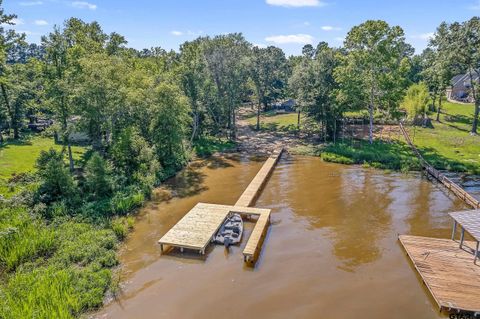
column 198, row 227
column 448, row 271
column 254, row 189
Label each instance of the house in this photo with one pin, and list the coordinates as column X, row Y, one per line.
column 461, row 87
column 285, row 106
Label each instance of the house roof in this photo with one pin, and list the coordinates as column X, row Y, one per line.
column 459, row 80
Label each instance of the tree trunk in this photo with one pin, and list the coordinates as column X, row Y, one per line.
column 195, row 127
column 234, row 125
column 370, row 113
column 475, row 118
column 258, row 115
column 477, row 105
column 298, row 120
column 70, row 157
column 1, row 136
column 439, row 108
column 9, row 110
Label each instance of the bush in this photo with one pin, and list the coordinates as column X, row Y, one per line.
column 124, row 202
column 335, row 158
column 122, row 226
column 134, row 159
column 98, row 179
column 56, row 182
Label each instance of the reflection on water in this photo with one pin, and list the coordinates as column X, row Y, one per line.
column 331, row 251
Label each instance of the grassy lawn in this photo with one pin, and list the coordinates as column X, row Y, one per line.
column 449, row 144
column 17, row 157
column 275, row 122
column 20, row 156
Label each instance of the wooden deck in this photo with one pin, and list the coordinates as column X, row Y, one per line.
column 255, row 187
column 448, row 271
column 198, row 227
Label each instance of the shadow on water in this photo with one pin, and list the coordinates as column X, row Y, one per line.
column 190, row 181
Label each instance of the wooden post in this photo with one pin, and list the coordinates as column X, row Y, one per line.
column 454, row 229
column 476, row 253
column 462, row 235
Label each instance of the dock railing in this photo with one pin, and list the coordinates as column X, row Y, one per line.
column 444, row 180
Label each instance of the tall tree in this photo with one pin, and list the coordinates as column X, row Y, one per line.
column 436, row 74
column 313, row 85
column 8, row 38
column 459, row 44
column 195, row 82
column 59, row 86
column 227, row 61
column 268, row 71
column 372, row 72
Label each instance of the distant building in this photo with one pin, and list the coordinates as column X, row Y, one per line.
column 285, row 106
column 460, row 89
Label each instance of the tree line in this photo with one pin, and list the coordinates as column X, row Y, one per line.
column 144, row 110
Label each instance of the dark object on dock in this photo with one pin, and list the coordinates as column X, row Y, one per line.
column 230, row 233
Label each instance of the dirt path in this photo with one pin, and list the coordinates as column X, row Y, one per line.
column 265, row 142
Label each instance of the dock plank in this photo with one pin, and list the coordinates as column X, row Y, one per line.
column 448, row 271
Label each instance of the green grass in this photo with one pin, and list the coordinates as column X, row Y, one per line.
column 393, row 155
column 207, row 145
column 275, row 122
column 19, row 156
column 448, row 145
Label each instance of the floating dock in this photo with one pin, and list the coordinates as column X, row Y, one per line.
column 447, row 270
column 198, row 227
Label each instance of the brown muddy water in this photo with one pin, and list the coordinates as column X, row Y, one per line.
column 331, row 251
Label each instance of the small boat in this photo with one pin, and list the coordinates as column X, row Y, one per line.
column 230, row 233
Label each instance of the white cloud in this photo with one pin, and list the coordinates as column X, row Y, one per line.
column 423, row 36
column 84, row 5
column 188, row 32
column 296, row 3
column 330, row 28
column 40, row 22
column 291, row 38
column 30, row 3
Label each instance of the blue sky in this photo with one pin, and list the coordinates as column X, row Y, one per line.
column 288, row 24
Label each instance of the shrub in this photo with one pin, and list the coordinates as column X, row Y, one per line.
column 56, row 182
column 122, row 226
column 135, row 159
column 98, row 179
column 124, row 202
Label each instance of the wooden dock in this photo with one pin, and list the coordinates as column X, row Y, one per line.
column 255, row 187
column 199, row 226
column 447, row 270
column 444, row 180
